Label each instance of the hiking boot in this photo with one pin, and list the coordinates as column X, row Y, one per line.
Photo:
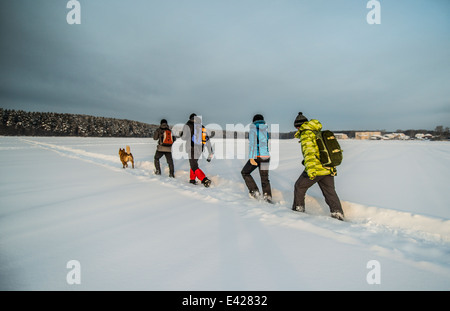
column 157, row 172
column 298, row 209
column 254, row 194
column 338, row 216
column 206, row 182
column 267, row 198
column 193, row 181
column 171, row 175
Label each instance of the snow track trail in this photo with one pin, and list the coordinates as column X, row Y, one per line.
column 414, row 239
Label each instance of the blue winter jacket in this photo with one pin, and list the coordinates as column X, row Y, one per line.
column 258, row 137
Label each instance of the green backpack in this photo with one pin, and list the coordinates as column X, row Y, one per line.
column 329, row 149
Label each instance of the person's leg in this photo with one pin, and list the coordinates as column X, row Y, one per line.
column 199, row 174
column 302, row 184
column 193, row 163
column 158, row 156
column 326, row 184
column 265, row 182
column 249, row 181
column 192, row 177
column 196, row 172
column 169, row 159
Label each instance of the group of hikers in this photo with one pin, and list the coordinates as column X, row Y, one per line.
column 196, row 139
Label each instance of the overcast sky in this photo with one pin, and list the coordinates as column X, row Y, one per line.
column 228, row 60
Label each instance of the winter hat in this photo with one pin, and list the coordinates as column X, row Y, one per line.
column 299, row 120
column 258, row 117
column 163, row 121
column 191, row 117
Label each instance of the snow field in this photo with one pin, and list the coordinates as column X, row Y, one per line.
column 69, row 198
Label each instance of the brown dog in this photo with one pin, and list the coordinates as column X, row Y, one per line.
column 126, row 156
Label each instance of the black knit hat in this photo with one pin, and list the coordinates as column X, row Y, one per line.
column 191, row 117
column 299, row 120
column 163, row 121
column 258, row 117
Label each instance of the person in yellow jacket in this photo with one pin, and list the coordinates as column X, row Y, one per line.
column 314, row 171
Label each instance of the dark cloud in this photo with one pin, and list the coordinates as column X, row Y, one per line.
column 228, row 60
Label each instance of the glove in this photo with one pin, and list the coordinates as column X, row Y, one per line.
column 210, row 157
column 312, row 175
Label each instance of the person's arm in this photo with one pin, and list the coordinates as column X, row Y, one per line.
column 310, row 152
column 210, row 149
column 252, row 145
column 156, row 134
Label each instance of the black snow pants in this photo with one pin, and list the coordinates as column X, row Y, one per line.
column 263, row 173
column 326, row 184
column 158, row 155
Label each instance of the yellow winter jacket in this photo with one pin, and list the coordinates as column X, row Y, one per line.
column 307, row 135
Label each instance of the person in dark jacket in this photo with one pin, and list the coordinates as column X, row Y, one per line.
column 314, row 171
column 194, row 133
column 164, row 147
column 259, row 157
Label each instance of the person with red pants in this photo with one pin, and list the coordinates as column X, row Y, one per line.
column 194, row 133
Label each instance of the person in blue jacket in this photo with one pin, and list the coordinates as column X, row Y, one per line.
column 259, row 157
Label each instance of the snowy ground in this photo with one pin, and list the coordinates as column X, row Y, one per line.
column 66, row 199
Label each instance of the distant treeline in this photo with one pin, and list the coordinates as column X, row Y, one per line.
column 22, row 123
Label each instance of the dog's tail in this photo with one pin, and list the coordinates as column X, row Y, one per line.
column 128, row 149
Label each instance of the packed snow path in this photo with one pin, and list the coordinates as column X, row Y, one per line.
column 69, row 198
